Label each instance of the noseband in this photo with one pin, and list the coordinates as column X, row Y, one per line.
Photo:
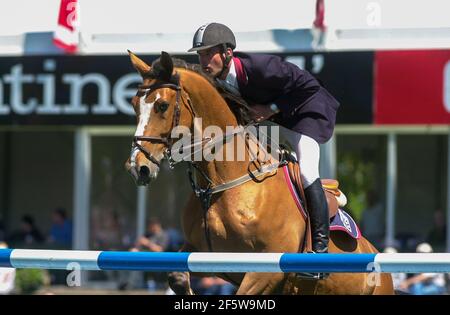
column 168, row 141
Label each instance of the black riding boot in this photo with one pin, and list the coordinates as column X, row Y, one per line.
column 320, row 224
column 319, row 217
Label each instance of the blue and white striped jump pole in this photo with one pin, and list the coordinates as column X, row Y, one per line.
column 223, row 262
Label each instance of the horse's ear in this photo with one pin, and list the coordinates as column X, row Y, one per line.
column 139, row 64
column 166, row 63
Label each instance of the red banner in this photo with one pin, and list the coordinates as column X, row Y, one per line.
column 412, row 87
column 319, row 21
column 66, row 33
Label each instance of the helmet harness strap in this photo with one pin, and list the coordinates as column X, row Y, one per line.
column 226, row 61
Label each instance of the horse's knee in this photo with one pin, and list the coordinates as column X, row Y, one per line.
column 179, row 283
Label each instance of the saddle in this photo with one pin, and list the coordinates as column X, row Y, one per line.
column 335, row 198
column 330, row 187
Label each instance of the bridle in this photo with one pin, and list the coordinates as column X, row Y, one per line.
column 204, row 193
column 168, row 141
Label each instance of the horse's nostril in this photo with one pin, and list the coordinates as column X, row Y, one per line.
column 144, row 171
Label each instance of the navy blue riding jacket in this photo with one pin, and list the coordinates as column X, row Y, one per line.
column 306, row 106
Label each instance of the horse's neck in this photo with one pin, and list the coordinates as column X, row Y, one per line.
column 208, row 103
column 214, row 111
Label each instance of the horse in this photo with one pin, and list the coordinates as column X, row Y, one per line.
column 258, row 215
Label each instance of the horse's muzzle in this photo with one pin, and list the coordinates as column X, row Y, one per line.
column 143, row 174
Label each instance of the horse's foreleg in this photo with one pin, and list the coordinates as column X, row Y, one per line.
column 180, row 282
column 261, row 283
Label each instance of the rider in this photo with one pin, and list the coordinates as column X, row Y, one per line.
column 276, row 87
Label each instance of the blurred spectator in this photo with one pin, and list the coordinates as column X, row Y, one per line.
column 60, row 238
column 397, row 278
column 109, row 234
column 155, row 239
column 176, row 239
column 425, row 283
column 7, row 277
column 109, row 231
column 437, row 235
column 109, row 213
column 212, row 286
column 407, row 241
column 61, row 230
column 372, row 222
column 28, row 235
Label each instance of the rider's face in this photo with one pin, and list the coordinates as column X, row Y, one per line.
column 211, row 60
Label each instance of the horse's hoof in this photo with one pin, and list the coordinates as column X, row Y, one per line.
column 179, row 283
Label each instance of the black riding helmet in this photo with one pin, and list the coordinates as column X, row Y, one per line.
column 212, row 34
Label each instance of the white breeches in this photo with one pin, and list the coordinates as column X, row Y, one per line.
column 308, row 154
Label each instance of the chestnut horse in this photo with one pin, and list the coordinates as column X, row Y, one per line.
column 255, row 216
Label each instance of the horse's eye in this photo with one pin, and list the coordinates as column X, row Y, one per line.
column 162, row 107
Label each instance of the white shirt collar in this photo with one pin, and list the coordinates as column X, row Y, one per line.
column 231, row 78
column 230, row 83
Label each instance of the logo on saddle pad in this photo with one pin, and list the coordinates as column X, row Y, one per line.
column 342, row 221
column 345, row 221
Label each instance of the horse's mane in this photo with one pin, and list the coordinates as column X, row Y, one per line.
column 237, row 104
